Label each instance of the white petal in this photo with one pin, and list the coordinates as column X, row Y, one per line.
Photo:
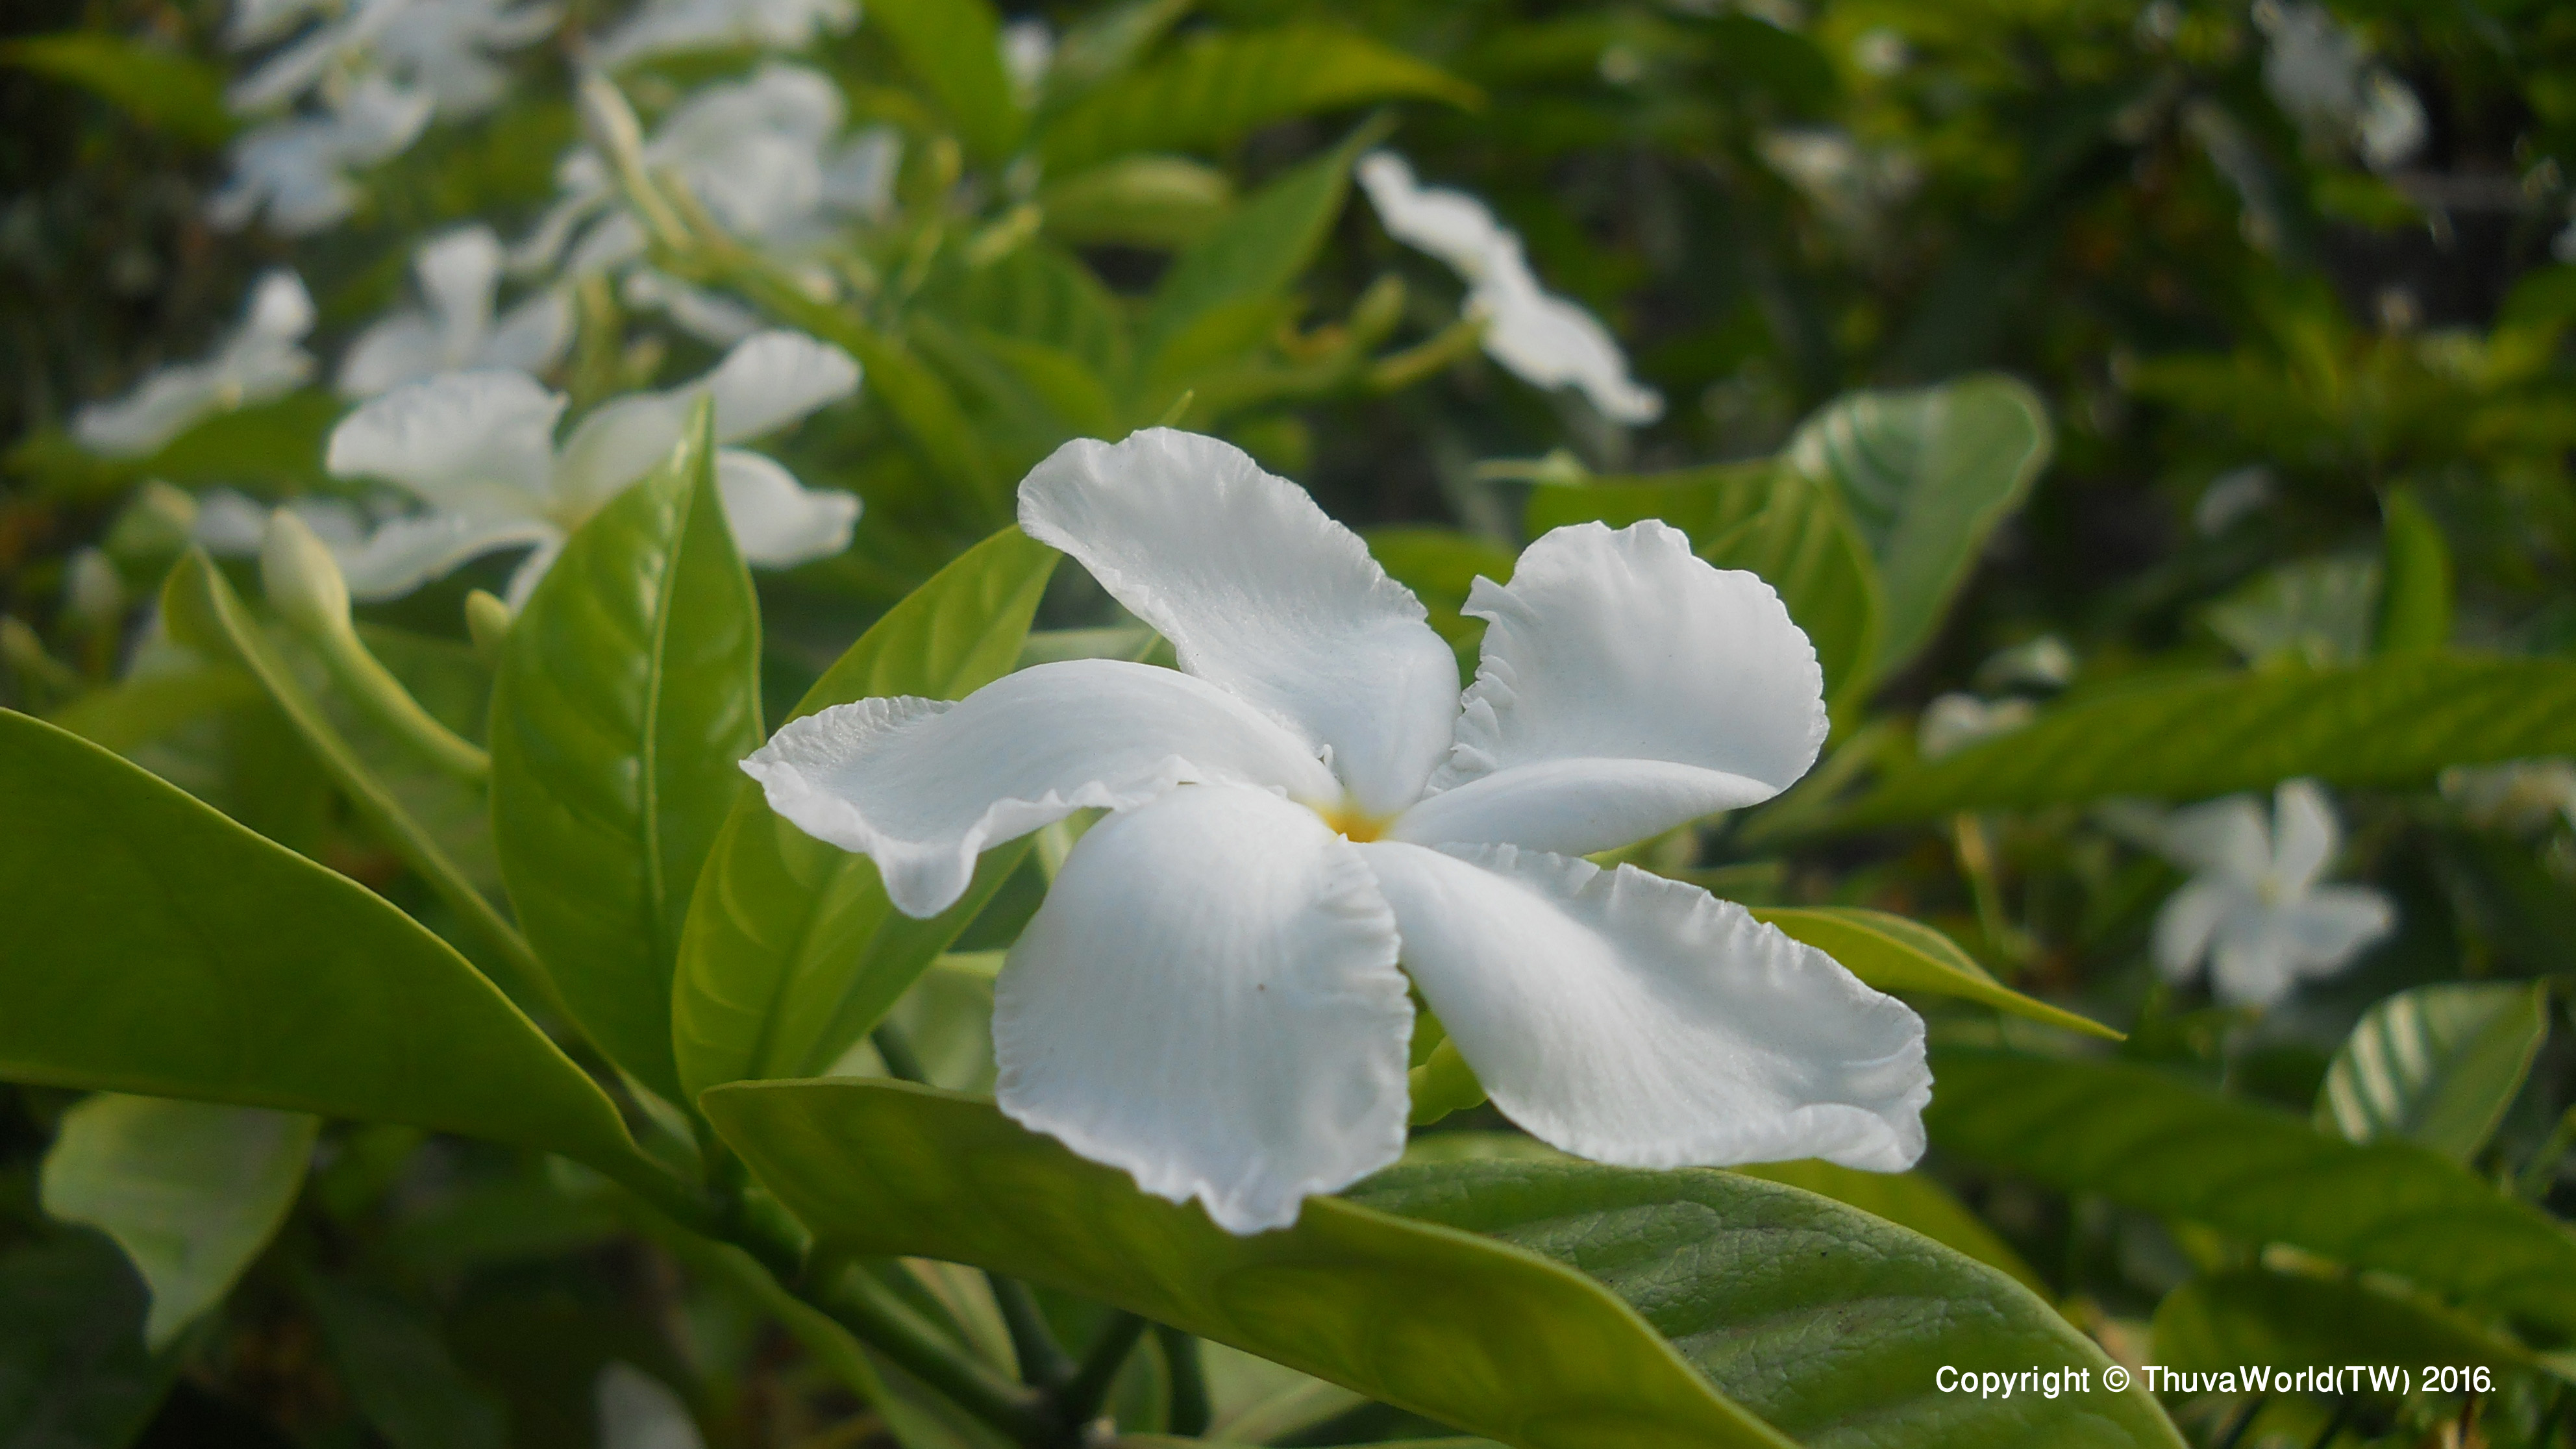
column 402, row 554
column 775, row 379
column 1208, row 999
column 2225, row 838
column 280, row 309
column 620, row 441
column 1632, row 1019
column 636, row 1411
column 459, row 272
column 1259, row 592
column 393, row 351
column 713, row 320
column 167, row 404
column 532, row 336
column 1626, row 687
column 478, row 443
column 923, row 786
column 2184, row 925
column 2331, row 924
column 860, row 180
column 1451, row 225
column 229, row 523
column 777, row 522
column 1551, row 342
column 2252, row 959
column 2304, row 834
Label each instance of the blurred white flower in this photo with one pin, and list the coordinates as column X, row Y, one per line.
column 666, row 27
column 1542, row 338
column 478, row 448
column 1028, row 51
column 638, row 1411
column 460, row 277
column 437, row 48
column 2042, row 663
column 2392, row 125
column 1953, row 722
column 2320, row 75
column 1210, row 995
column 2522, row 796
column 259, row 361
column 2254, row 908
column 297, row 170
column 2232, row 495
column 1850, row 185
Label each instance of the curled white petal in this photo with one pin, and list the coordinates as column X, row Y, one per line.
column 1626, row 687
column 260, row 360
column 777, row 522
column 1260, row 593
column 1632, row 1019
column 924, row 786
column 478, row 443
column 2305, row 834
column 1208, row 998
column 401, row 554
column 665, row 27
column 775, row 379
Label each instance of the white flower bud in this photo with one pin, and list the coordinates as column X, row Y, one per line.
column 302, row 578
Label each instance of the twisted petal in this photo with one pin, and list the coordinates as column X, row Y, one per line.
column 404, row 553
column 477, row 443
column 1260, row 593
column 1626, row 687
column 777, row 522
column 2223, row 838
column 2185, row 924
column 459, row 272
column 2330, row 925
column 392, row 351
column 768, row 381
column 1208, row 999
column 1449, row 224
column 1547, row 340
column 1632, row 1019
column 531, row 336
column 924, row 786
column 2304, row 834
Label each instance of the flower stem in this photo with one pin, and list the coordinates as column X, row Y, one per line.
column 1043, row 1362
column 1083, row 1394
column 386, row 701
column 1190, row 1410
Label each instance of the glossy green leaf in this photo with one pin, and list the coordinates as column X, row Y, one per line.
column 1911, row 1200
column 2138, row 1136
column 1774, row 523
column 1827, row 1323
column 2415, row 562
column 158, row 947
column 1218, row 87
column 954, row 48
column 391, row 1361
column 1926, row 475
column 73, row 1370
column 192, row 1191
column 1256, row 253
column 627, row 695
column 2254, row 1316
column 1895, row 954
column 792, row 950
column 167, row 90
column 2392, row 722
column 144, row 707
column 1468, row 1331
column 2436, row 1065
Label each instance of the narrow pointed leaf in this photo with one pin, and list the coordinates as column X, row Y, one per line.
column 165, row 89
column 953, row 48
column 1895, row 954
column 1927, row 476
column 155, row 946
column 2391, row 722
column 192, row 1191
column 2436, row 1065
column 1256, row 253
column 2415, row 562
column 792, row 950
column 628, row 692
column 2148, row 1140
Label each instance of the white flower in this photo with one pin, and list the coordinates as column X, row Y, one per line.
column 2522, row 796
column 2319, row 74
column 663, row 27
column 460, row 276
column 259, row 361
column 1028, row 53
column 1953, row 722
column 1210, row 995
column 297, row 169
column 478, row 448
column 2253, row 907
column 636, row 1411
column 437, row 48
column 1544, row 339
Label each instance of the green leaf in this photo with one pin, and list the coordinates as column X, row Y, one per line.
column 2436, row 1065
column 1219, row 87
column 1895, row 954
column 1102, row 46
column 2140, row 1137
column 792, row 950
column 2391, row 722
column 1927, row 475
column 179, row 95
column 1039, row 293
column 1253, row 257
column 1912, row 1201
column 160, row 948
column 2415, row 605
column 1146, row 201
column 2246, row 1316
column 73, row 1370
column 393, row 1365
column 1827, row 1323
column 1765, row 519
column 1468, row 1331
column 144, row 707
column 628, row 692
column 954, row 48
column 1440, row 565
column 192, row 1191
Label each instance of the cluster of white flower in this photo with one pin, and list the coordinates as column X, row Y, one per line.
column 2319, row 73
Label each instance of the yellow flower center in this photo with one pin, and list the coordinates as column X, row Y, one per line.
column 1351, row 822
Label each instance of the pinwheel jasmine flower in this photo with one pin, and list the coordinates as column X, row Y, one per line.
column 262, row 359
column 478, row 448
column 1214, row 995
column 437, row 48
column 664, row 27
column 1542, row 338
column 2254, row 908
column 460, row 276
column 297, row 170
